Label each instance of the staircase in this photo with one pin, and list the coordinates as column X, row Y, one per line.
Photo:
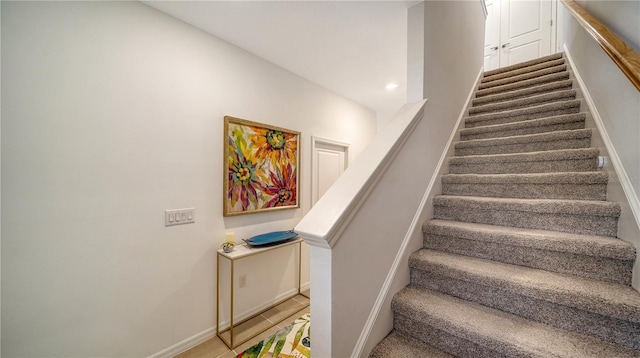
column 521, row 259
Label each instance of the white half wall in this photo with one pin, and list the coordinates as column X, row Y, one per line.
column 112, row 113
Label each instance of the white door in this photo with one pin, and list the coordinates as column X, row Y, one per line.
column 330, row 159
column 492, row 36
column 525, row 30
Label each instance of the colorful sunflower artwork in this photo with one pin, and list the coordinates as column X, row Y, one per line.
column 261, row 167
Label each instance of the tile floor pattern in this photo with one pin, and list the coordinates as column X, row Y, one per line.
column 274, row 319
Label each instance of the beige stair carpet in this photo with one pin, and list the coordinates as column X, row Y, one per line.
column 521, row 258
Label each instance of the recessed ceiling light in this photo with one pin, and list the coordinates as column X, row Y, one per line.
column 391, row 86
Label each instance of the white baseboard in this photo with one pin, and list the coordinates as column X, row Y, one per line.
column 211, row 332
column 186, row 344
column 416, row 225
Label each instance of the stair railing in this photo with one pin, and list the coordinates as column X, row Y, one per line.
column 625, row 57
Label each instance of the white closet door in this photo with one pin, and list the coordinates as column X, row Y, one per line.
column 525, row 30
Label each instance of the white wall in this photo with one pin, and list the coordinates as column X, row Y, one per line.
column 621, row 17
column 616, row 100
column 112, row 113
column 415, row 52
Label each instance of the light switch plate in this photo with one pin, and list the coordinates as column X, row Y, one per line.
column 179, row 216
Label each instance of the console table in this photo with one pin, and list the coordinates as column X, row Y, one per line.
column 242, row 252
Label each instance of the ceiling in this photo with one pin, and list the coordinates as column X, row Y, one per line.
column 354, row 48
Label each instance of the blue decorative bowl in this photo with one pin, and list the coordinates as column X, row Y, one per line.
column 271, row 238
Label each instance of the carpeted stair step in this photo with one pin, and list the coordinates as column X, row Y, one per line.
column 468, row 329
column 396, row 345
column 605, row 310
column 523, row 70
column 597, row 257
column 517, row 66
column 523, row 77
column 572, row 186
column 554, row 77
column 572, row 139
column 542, row 125
column 573, row 216
column 522, row 93
column 566, row 160
column 523, row 114
column 529, row 101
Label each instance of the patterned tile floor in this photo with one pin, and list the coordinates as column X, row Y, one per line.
column 275, row 318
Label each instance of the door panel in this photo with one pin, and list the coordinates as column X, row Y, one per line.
column 524, row 52
column 330, row 166
column 329, row 160
column 525, row 27
column 524, row 18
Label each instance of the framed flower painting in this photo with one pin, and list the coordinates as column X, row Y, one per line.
column 261, row 167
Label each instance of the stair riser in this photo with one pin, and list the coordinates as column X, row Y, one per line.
column 549, row 166
column 578, row 224
column 562, row 76
column 525, row 147
column 525, row 64
column 522, row 103
column 523, row 77
column 516, row 72
column 529, row 191
column 523, row 93
column 478, row 121
column 399, row 345
column 458, row 345
column 599, row 268
column 615, row 330
column 444, row 340
column 523, row 131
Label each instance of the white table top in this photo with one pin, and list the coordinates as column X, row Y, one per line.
column 243, row 250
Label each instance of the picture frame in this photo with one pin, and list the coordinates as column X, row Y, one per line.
column 261, row 167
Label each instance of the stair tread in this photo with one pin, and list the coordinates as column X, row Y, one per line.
column 523, row 76
column 397, row 345
column 548, row 206
column 562, row 154
column 520, row 93
column 600, row 177
column 602, row 258
column 513, row 72
column 605, row 298
column 574, row 117
column 541, row 108
column 507, row 333
column 525, row 101
column 558, row 76
column 527, row 138
column 516, row 66
column 579, row 244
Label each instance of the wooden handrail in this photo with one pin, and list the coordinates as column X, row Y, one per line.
column 627, row 59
